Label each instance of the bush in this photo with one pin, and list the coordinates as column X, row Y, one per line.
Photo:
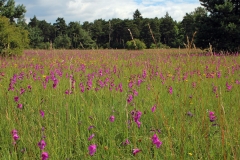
column 159, row 45
column 13, row 39
column 139, row 44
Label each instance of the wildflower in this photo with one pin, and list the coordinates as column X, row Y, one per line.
column 29, row 87
column 112, row 118
column 16, row 99
column 90, row 127
column 92, row 149
column 170, row 90
column 42, row 113
column 20, row 106
column 130, row 84
column 211, row 116
column 136, row 116
column 126, row 142
column 45, row 156
column 42, row 144
column 130, row 98
column 135, row 151
column 229, row 87
column 156, row 141
column 15, row 136
column 22, row 90
column 190, row 154
column 154, row 108
column 189, row 114
column 135, row 93
column 91, row 137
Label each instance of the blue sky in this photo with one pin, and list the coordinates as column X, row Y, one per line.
column 89, row 10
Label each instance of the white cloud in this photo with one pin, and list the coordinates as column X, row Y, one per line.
column 89, row 10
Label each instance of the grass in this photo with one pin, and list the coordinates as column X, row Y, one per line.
column 200, row 84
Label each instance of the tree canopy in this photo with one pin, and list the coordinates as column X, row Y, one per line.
column 217, row 23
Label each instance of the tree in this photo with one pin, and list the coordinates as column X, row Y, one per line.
column 13, row 39
column 62, row 42
column 11, row 11
column 137, row 15
column 169, row 31
column 222, row 21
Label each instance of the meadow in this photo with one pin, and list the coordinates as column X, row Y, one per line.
column 118, row 104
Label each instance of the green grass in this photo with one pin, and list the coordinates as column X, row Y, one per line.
column 68, row 117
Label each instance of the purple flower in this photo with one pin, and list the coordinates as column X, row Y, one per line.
column 15, row 137
column 170, row 90
column 22, row 90
column 111, row 118
column 211, row 116
column 126, row 142
column 91, row 137
column 20, row 106
column 229, row 87
column 42, row 144
column 154, row 108
column 16, row 99
column 136, row 116
column 14, row 131
column 135, row 93
column 130, row 98
column 189, row 114
column 156, row 141
column 42, row 113
column 135, row 151
column 90, row 127
column 45, row 156
column 92, row 149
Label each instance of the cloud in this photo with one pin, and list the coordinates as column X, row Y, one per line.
column 90, row 10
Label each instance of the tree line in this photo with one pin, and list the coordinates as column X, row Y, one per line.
column 216, row 23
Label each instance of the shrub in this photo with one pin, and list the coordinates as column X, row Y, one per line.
column 139, row 44
column 13, row 39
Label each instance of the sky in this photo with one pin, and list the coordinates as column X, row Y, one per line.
column 90, row 10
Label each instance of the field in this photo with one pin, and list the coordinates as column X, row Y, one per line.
column 118, row 104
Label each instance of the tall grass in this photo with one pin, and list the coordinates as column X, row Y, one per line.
column 87, row 91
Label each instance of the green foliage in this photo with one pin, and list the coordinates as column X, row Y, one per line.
column 221, row 27
column 135, row 44
column 62, row 42
column 12, row 39
column 11, row 11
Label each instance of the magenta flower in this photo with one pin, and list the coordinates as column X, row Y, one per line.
column 14, row 131
column 16, row 99
column 126, row 142
column 42, row 144
column 135, row 151
column 130, row 98
column 42, row 113
column 92, row 149
column 154, row 108
column 170, row 90
column 229, row 87
column 136, row 116
column 211, row 116
column 156, row 141
column 15, row 136
column 45, row 156
column 111, row 118
column 135, row 93
column 20, row 106
column 90, row 127
column 91, row 137
column 22, row 90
